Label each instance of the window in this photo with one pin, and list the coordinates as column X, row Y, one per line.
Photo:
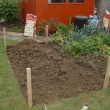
column 76, row 1
column 56, row 1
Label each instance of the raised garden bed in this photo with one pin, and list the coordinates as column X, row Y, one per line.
column 55, row 75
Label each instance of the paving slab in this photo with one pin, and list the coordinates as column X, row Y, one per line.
column 21, row 37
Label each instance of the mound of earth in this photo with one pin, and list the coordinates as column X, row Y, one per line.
column 55, row 75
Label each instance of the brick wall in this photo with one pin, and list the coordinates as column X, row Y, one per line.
column 102, row 6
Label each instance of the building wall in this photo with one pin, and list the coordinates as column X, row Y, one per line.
column 102, row 6
column 63, row 11
column 29, row 8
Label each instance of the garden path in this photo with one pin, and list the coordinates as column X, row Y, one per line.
column 21, row 37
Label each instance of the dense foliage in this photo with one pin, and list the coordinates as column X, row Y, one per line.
column 93, row 44
column 63, row 32
column 90, row 39
column 9, row 10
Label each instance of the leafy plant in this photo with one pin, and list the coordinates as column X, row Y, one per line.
column 41, row 27
column 9, row 10
column 90, row 39
column 72, row 48
column 106, row 39
column 85, row 32
column 63, row 32
column 52, row 26
column 71, row 34
column 93, row 44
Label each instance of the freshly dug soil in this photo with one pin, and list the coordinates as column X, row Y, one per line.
column 55, row 75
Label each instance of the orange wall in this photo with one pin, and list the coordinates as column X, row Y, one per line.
column 29, row 7
column 20, row 13
column 43, row 10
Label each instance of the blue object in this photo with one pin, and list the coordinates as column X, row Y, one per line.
column 93, row 20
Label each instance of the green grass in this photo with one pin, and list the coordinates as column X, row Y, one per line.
column 12, row 99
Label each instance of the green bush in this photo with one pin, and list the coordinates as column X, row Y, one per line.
column 9, row 10
column 90, row 39
column 106, row 39
column 93, row 44
column 85, row 32
column 63, row 32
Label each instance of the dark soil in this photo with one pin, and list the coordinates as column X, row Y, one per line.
column 55, row 75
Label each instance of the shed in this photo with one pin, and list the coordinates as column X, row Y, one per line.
column 102, row 6
column 61, row 9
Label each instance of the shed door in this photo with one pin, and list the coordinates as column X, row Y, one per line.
column 29, row 7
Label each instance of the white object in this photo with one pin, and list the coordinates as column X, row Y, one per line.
column 85, row 107
column 29, row 30
column 49, row 1
column 107, row 12
column 30, row 26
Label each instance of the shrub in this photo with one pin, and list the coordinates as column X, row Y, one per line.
column 41, row 27
column 52, row 26
column 63, row 32
column 72, row 34
column 93, row 44
column 9, row 10
column 106, row 39
column 85, row 32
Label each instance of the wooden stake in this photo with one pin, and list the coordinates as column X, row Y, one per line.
column 107, row 76
column 29, row 87
column 45, row 107
column 46, row 34
column 4, row 37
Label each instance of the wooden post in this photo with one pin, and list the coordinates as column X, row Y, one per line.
column 45, row 107
column 29, row 87
column 46, row 34
column 107, row 76
column 4, row 37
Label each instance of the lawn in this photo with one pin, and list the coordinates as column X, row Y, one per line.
column 12, row 99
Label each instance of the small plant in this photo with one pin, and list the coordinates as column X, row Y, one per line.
column 52, row 26
column 9, row 10
column 63, row 32
column 106, row 39
column 41, row 27
column 16, row 29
